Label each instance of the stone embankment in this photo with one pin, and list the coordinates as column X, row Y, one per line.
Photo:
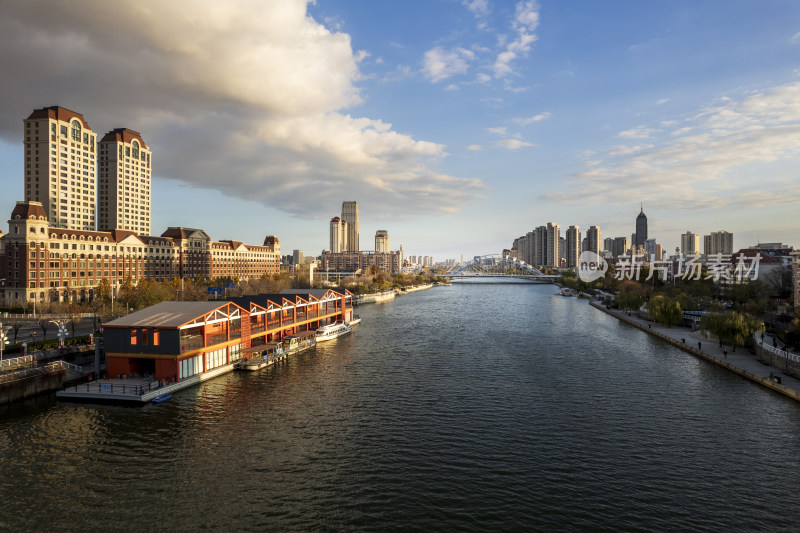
column 760, row 369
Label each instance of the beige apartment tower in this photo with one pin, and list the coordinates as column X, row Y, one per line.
column 60, row 166
column 338, row 234
column 381, row 241
column 124, row 182
column 350, row 215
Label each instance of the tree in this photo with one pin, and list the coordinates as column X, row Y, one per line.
column 733, row 328
column 16, row 325
column 44, row 324
column 631, row 295
column 664, row 310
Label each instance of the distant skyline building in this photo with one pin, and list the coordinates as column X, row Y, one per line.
column 608, row 244
column 594, row 240
column 551, row 253
column 641, row 228
column 124, row 182
column 573, row 243
column 381, row 241
column 60, row 166
column 620, row 246
column 350, row 215
column 718, row 242
column 338, row 235
column 690, row 243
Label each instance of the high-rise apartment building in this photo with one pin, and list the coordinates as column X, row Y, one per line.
column 381, row 241
column 719, row 242
column 594, row 240
column 60, row 167
column 573, row 243
column 124, row 178
column 608, row 244
column 690, row 243
column 620, row 246
column 350, row 215
column 338, row 235
column 553, row 233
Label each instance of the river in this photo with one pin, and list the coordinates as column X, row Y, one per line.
column 473, row 407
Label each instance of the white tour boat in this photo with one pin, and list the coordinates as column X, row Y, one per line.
column 331, row 331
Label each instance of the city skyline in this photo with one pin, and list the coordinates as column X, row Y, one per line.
column 491, row 118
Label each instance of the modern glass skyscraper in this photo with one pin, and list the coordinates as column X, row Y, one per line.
column 641, row 228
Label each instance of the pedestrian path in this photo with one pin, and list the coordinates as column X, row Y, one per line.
column 739, row 360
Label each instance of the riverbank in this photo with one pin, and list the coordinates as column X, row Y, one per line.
column 740, row 362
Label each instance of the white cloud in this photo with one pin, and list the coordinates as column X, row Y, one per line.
column 627, row 150
column 249, row 99
column 480, row 8
column 662, row 101
column 639, row 132
column 739, row 152
column 440, row 64
column 500, row 130
column 530, row 120
column 512, row 144
column 474, row 147
column 795, row 38
column 526, row 19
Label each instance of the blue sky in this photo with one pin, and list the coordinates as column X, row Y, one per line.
column 456, row 125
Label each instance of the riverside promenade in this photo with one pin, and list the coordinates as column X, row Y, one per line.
column 741, row 361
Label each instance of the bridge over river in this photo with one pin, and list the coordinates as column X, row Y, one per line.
column 486, row 267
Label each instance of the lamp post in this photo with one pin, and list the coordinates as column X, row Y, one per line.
column 3, row 338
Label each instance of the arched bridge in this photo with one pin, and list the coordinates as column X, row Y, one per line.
column 499, row 266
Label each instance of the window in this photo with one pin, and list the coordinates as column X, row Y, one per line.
column 135, row 146
column 133, row 337
column 145, row 337
column 76, row 130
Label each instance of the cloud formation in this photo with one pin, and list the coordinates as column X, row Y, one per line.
column 497, row 60
column 726, row 155
column 247, row 98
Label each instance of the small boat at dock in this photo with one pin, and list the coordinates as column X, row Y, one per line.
column 260, row 356
column 161, row 398
column 298, row 342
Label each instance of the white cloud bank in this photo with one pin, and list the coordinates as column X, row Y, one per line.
column 737, row 153
column 245, row 98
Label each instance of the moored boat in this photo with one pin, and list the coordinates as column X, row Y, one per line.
column 299, row 342
column 260, row 356
column 162, row 398
column 331, row 331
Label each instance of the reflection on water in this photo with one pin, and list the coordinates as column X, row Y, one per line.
column 469, row 407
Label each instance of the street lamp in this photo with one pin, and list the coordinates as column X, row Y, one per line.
column 3, row 338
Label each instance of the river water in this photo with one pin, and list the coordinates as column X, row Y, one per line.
column 467, row 408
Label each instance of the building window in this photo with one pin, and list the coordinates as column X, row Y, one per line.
column 133, row 337
column 76, row 130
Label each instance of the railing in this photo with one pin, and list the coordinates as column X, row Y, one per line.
column 110, row 388
column 774, row 350
column 258, row 329
column 14, row 362
column 52, row 368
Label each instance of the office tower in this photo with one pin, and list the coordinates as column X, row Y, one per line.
column 573, row 246
column 593, row 239
column 552, row 235
column 338, row 235
column 690, row 243
column 297, row 257
column 350, row 215
column 608, row 244
column 123, row 200
column 719, row 242
column 381, row 241
column 60, row 166
column 641, row 228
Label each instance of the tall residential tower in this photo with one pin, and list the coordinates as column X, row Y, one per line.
column 124, row 182
column 60, row 166
column 350, row 215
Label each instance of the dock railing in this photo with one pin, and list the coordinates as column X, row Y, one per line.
column 774, row 350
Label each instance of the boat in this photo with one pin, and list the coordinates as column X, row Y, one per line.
column 162, row 398
column 331, row 331
column 258, row 357
column 299, row 342
column 355, row 320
